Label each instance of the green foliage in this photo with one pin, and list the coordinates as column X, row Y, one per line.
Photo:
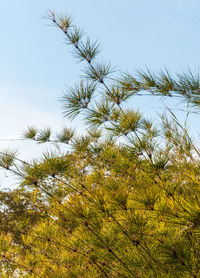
column 99, row 72
column 88, row 50
column 127, row 121
column 30, row 133
column 123, row 199
column 99, row 114
column 44, row 135
column 7, row 158
column 65, row 135
column 77, row 99
column 183, row 85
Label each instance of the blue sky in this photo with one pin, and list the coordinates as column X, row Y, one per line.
column 36, row 64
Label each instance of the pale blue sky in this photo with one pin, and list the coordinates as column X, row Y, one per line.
column 35, row 64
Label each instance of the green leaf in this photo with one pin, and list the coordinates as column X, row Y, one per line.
column 30, row 133
column 77, row 99
column 43, row 135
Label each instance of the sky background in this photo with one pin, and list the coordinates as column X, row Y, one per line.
column 36, row 64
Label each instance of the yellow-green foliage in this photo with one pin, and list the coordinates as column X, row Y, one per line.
column 121, row 201
column 111, row 214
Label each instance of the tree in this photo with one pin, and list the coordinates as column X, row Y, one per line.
column 123, row 199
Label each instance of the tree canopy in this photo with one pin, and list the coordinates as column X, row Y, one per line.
column 122, row 200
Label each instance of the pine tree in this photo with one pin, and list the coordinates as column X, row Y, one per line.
column 123, row 199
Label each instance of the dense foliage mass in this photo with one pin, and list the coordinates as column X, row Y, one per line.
column 123, row 200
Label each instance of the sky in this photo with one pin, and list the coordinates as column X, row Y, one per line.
column 36, row 64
